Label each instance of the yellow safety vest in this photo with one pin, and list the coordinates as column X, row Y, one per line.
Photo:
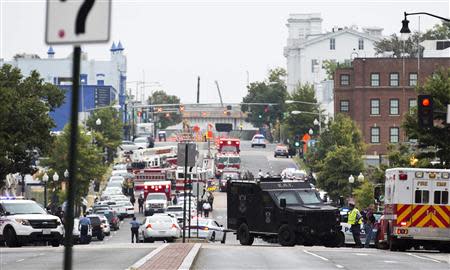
column 354, row 217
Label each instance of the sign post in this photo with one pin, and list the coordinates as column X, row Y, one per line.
column 75, row 22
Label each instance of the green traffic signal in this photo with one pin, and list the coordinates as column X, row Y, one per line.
column 297, row 144
column 259, row 116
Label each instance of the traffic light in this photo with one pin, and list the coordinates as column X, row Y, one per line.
column 297, row 142
column 139, row 114
column 181, row 108
column 266, row 108
column 425, row 111
column 259, row 116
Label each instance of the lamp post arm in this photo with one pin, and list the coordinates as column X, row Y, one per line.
column 429, row 14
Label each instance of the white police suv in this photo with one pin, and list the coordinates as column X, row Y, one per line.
column 25, row 221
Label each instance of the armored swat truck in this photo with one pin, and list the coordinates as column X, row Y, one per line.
column 285, row 212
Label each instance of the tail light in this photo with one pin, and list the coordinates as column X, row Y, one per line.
column 403, row 176
column 149, row 226
column 174, row 226
column 205, row 228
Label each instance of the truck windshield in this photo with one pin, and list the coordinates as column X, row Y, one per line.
column 308, row 196
column 290, row 196
column 23, row 208
column 156, row 197
column 229, row 148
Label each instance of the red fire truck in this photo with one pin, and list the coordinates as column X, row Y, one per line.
column 229, row 145
column 158, row 187
column 226, row 160
column 144, row 175
column 417, row 210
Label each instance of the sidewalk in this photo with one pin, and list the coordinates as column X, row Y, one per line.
column 172, row 256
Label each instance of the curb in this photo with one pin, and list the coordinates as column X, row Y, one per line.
column 189, row 259
column 143, row 260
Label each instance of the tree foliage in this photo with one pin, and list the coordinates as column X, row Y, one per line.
column 161, row 97
column 109, row 133
column 438, row 86
column 364, row 194
column 300, row 124
column 24, row 121
column 89, row 160
column 272, row 90
column 330, row 67
column 439, row 31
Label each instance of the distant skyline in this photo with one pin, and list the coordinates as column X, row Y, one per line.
column 173, row 42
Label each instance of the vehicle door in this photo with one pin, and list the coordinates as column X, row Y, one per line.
column 421, row 208
column 218, row 229
column 268, row 216
column 441, row 209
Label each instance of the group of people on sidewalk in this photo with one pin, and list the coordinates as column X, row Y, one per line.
column 356, row 218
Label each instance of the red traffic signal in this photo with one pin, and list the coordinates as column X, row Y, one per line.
column 425, row 111
column 266, row 108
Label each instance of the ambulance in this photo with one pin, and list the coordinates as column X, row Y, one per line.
column 417, row 209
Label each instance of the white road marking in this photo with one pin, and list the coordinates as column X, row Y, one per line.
column 315, row 255
column 21, row 260
column 390, row 261
column 339, row 266
column 423, row 258
column 219, row 217
column 361, row 254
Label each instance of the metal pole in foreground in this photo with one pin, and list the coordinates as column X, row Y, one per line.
column 68, row 225
column 184, row 188
column 198, row 216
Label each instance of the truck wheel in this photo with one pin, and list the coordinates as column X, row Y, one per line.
column 245, row 238
column 11, row 238
column 55, row 243
column 100, row 236
column 286, row 237
column 224, row 238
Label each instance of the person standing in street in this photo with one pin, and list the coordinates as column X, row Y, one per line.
column 132, row 199
column 369, row 221
column 355, row 221
column 83, row 226
column 135, row 230
column 211, row 200
column 206, row 208
column 141, row 203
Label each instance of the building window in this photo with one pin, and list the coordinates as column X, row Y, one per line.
column 393, row 79
column 361, row 44
column 393, row 107
column 442, row 45
column 412, row 103
column 344, row 105
column 412, row 79
column 374, row 107
column 394, row 134
column 345, row 79
column 332, row 44
column 314, row 65
column 375, row 79
column 375, row 135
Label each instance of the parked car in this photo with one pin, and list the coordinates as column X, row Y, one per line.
column 123, row 173
column 227, row 175
column 112, row 191
column 281, row 150
column 106, row 228
column 142, row 142
column 113, row 219
column 120, row 166
column 159, row 227
column 96, row 224
column 207, row 229
column 259, row 140
column 128, row 146
column 176, row 211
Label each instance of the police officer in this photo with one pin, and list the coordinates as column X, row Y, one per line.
column 134, row 230
column 355, row 221
column 83, row 226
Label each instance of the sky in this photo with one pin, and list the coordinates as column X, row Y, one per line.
column 173, row 42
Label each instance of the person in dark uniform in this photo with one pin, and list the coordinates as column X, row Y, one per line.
column 141, row 203
column 83, row 226
column 135, row 230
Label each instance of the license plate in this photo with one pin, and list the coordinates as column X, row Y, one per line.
column 161, row 232
column 46, row 231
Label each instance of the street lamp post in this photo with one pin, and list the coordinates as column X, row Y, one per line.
column 351, row 180
column 66, row 176
column 45, row 180
column 316, row 122
column 405, row 32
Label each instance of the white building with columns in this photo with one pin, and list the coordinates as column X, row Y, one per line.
column 308, row 47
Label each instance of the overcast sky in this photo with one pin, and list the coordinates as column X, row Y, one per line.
column 173, row 42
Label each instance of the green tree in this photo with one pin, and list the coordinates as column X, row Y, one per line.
column 109, row 133
column 439, row 31
column 335, row 169
column 165, row 119
column 300, row 124
column 25, row 124
column 89, row 160
column 330, row 67
column 272, row 90
column 393, row 43
column 364, row 194
column 438, row 86
column 341, row 131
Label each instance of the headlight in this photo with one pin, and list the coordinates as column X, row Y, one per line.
column 24, row 222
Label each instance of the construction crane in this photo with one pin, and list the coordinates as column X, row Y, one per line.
column 220, row 95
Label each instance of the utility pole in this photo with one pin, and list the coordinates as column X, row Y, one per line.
column 198, row 89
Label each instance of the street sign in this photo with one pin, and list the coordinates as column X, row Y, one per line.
column 191, row 154
column 77, row 22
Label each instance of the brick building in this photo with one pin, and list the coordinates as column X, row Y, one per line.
column 377, row 92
